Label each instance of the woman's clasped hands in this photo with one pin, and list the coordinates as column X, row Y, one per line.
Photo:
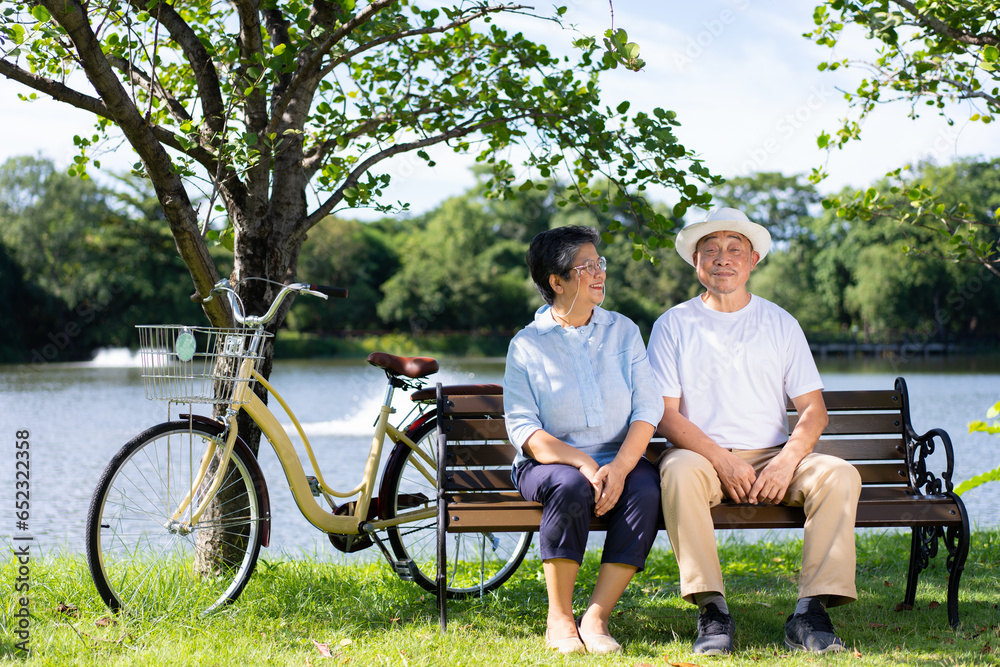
column 608, row 482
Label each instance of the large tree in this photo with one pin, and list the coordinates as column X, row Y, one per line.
column 239, row 110
column 929, row 54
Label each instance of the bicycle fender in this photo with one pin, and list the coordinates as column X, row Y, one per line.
column 400, row 451
column 251, row 461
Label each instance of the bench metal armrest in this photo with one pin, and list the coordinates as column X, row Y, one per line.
column 920, row 447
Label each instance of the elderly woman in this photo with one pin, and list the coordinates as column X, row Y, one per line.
column 581, row 405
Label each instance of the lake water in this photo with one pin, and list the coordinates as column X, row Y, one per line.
column 78, row 415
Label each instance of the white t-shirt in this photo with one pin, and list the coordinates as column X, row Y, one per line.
column 735, row 371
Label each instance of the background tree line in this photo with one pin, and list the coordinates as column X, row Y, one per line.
column 80, row 264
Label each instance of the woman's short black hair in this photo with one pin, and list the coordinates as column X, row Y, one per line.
column 552, row 252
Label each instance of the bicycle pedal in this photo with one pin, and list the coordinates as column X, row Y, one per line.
column 313, row 485
column 406, row 569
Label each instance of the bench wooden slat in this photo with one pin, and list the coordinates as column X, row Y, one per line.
column 877, row 399
column 863, row 449
column 474, row 429
column 471, row 455
column 476, row 480
column 857, row 423
column 474, row 405
column 882, row 473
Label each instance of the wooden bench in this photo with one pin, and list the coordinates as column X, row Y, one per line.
column 869, row 428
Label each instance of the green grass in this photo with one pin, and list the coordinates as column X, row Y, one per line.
column 365, row 616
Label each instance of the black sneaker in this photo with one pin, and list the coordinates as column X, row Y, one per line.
column 812, row 631
column 715, row 632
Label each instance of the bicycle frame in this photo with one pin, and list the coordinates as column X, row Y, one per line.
column 316, row 514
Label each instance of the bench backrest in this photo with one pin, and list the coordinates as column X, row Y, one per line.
column 866, row 428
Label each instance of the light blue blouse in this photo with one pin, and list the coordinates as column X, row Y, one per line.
column 583, row 385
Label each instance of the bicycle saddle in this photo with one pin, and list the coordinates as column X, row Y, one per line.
column 411, row 367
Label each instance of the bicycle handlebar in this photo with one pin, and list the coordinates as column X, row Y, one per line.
column 335, row 292
column 321, row 291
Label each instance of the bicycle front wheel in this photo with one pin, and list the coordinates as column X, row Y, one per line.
column 477, row 562
column 142, row 558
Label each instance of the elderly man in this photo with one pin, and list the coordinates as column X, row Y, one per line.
column 726, row 362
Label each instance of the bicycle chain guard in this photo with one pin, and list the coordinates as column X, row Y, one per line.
column 350, row 544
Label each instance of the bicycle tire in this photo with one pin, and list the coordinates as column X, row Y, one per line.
column 140, row 562
column 477, row 562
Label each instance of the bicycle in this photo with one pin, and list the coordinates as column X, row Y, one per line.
column 182, row 510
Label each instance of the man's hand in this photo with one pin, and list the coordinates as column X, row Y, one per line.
column 772, row 482
column 737, row 476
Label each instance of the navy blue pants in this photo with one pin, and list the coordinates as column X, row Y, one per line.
column 567, row 500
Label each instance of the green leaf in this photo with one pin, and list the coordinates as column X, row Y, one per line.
column 40, row 13
column 991, row 54
column 978, row 480
column 17, row 33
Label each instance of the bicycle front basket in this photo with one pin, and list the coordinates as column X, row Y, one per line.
column 199, row 364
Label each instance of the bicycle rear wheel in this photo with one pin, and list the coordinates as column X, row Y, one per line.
column 143, row 561
column 477, row 562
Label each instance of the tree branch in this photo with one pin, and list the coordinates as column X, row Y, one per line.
column 255, row 106
column 55, row 89
column 352, row 180
column 312, row 161
column 202, row 66
column 313, row 63
column 940, row 27
column 154, row 88
column 309, row 66
column 969, row 91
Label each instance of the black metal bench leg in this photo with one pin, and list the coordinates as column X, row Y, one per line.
column 918, row 561
column 957, row 541
column 957, row 559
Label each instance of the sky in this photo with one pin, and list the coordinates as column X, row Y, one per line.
column 740, row 75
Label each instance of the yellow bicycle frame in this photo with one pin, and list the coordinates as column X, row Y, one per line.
column 316, row 514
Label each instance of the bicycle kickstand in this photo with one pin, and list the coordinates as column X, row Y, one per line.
column 405, row 569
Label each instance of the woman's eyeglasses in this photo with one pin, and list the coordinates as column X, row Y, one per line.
column 592, row 267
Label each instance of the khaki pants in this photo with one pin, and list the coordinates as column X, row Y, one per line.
column 826, row 487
